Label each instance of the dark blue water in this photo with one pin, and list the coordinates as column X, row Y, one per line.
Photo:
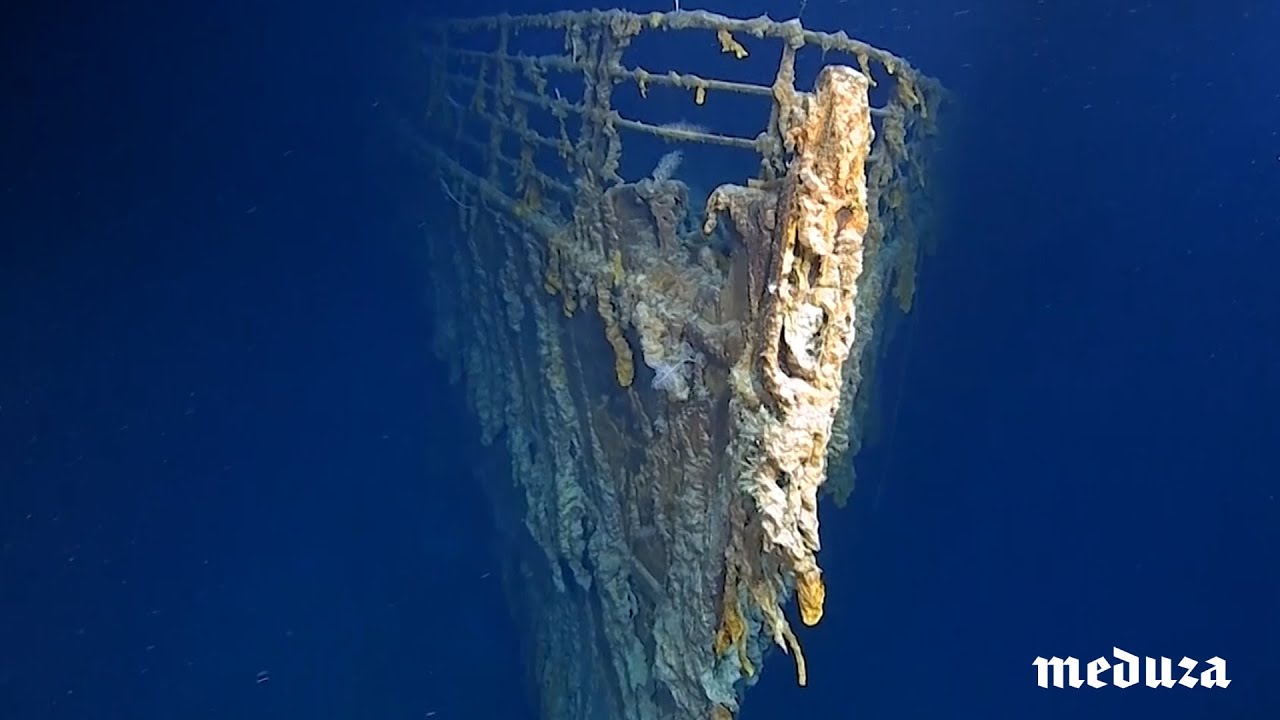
column 234, row 484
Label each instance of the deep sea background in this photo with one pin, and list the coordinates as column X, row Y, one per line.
column 234, row 484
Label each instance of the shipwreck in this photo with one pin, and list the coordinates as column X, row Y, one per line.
column 668, row 331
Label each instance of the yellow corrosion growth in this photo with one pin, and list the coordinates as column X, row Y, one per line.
column 700, row 95
column 623, row 361
column 729, row 45
column 553, row 283
column 811, row 594
column 733, row 631
column 615, row 266
column 802, row 672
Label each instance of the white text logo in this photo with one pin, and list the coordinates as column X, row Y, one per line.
column 1124, row 672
